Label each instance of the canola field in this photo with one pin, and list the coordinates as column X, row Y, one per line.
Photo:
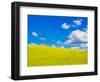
column 49, row 56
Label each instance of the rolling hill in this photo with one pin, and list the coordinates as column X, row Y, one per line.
column 49, row 56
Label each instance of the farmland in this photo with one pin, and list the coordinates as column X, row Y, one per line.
column 49, row 56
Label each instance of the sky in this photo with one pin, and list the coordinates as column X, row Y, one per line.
column 58, row 31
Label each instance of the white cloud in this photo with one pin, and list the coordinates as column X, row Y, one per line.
column 78, row 39
column 42, row 38
column 79, row 36
column 53, row 46
column 85, row 49
column 33, row 43
column 42, row 44
column 65, row 26
column 69, row 41
column 84, row 46
column 61, row 46
column 77, row 22
column 75, row 48
column 35, row 34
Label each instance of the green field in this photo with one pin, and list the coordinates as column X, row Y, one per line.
column 49, row 56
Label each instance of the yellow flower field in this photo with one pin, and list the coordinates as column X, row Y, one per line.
column 49, row 56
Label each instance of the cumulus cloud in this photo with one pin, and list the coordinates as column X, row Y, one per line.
column 42, row 44
column 78, row 35
column 77, row 22
column 65, row 26
column 61, row 46
column 53, row 46
column 35, row 34
column 75, row 48
column 42, row 38
column 69, row 41
column 32, row 43
column 78, row 39
column 84, row 46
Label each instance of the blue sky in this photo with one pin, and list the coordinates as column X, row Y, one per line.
column 57, row 31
